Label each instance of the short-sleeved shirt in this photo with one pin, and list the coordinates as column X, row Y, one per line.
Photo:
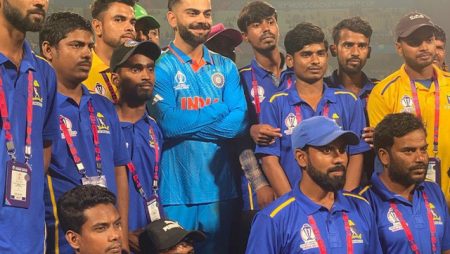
column 343, row 107
column 392, row 236
column 97, row 81
column 63, row 174
column 284, row 227
column 394, row 95
column 23, row 230
column 200, row 108
column 141, row 149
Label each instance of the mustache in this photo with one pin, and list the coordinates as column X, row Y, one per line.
column 204, row 26
column 336, row 168
column 143, row 83
column 267, row 35
column 38, row 10
column 354, row 58
column 419, row 166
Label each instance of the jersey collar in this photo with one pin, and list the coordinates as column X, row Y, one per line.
column 98, row 65
column 187, row 59
column 334, row 82
column 85, row 97
column 385, row 194
column 294, row 99
column 28, row 62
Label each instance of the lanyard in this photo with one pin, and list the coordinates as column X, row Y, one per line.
column 321, row 243
column 298, row 112
column 110, row 88
column 407, row 230
column 73, row 150
column 7, row 124
column 135, row 176
column 436, row 109
column 98, row 157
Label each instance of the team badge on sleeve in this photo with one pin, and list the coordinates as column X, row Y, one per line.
column 308, row 237
column 218, row 79
column 290, row 122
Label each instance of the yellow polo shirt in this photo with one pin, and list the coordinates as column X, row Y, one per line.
column 394, row 95
column 96, row 82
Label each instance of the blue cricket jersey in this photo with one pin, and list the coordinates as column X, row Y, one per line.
column 283, row 226
column 392, row 236
column 199, row 112
column 63, row 174
column 141, row 149
column 23, row 230
column 343, row 107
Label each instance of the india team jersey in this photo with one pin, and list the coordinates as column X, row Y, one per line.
column 394, row 95
column 199, row 107
column 141, row 148
column 392, row 235
column 285, row 227
column 23, row 229
column 285, row 110
column 63, row 174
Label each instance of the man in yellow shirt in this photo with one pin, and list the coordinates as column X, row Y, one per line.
column 420, row 88
column 113, row 23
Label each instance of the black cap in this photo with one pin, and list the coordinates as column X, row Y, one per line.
column 127, row 49
column 164, row 234
column 410, row 23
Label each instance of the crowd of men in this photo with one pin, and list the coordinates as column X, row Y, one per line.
column 114, row 145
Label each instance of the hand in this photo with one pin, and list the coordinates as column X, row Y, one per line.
column 264, row 134
column 133, row 240
column 265, row 195
column 368, row 135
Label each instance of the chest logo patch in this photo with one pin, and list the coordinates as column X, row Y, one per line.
column 218, row 79
column 290, row 122
column 308, row 237
column 407, row 104
column 356, row 235
column 393, row 219
column 102, row 125
column 99, row 89
column 436, row 218
column 37, row 99
column 69, row 126
column 180, row 79
column 260, row 94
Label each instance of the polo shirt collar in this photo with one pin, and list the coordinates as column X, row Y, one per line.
column 259, row 70
column 144, row 119
column 387, row 195
column 28, row 62
column 294, row 99
column 85, row 97
column 98, row 65
column 441, row 75
column 187, row 59
column 366, row 89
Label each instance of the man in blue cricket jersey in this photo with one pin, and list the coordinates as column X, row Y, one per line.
column 28, row 126
column 89, row 148
column 132, row 65
column 412, row 214
column 317, row 216
column 308, row 96
column 351, row 47
column 200, row 107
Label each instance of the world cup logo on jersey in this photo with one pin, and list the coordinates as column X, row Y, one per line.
column 37, row 99
column 260, row 94
column 180, row 80
column 102, row 127
column 66, row 121
column 407, row 104
column 290, row 121
column 308, row 237
column 393, row 219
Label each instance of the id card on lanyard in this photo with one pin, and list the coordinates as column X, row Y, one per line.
column 18, row 174
column 434, row 163
column 100, row 179
column 152, row 204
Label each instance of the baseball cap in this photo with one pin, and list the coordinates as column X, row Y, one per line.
column 141, row 14
column 219, row 29
column 164, row 234
column 127, row 49
column 410, row 23
column 320, row 131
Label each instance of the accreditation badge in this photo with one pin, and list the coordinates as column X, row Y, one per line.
column 18, row 184
column 154, row 209
column 434, row 170
column 94, row 180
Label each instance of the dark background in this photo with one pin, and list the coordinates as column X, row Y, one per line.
column 381, row 14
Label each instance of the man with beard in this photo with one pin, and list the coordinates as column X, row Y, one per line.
column 420, row 88
column 308, row 96
column 441, row 40
column 411, row 212
column 200, row 107
column 29, row 123
column 113, row 22
column 317, row 216
column 352, row 49
column 132, row 65
column 89, row 149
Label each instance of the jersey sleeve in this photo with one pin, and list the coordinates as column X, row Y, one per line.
column 263, row 236
column 175, row 122
column 51, row 126
column 377, row 107
column 270, row 115
column 236, row 121
column 357, row 124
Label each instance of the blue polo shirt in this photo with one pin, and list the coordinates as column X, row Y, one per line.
column 63, row 175
column 283, row 227
column 392, row 236
column 23, row 230
column 280, row 112
column 199, row 111
column 141, row 149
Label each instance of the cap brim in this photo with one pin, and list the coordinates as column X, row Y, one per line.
column 196, row 236
column 234, row 35
column 147, row 48
column 350, row 138
column 150, row 21
column 413, row 29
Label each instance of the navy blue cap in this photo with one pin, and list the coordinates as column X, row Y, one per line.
column 320, row 131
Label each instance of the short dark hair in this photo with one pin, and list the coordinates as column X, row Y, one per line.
column 72, row 204
column 255, row 12
column 439, row 33
column 58, row 25
column 354, row 24
column 303, row 34
column 171, row 3
column 395, row 126
column 99, row 6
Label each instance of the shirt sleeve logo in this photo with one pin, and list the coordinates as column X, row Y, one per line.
column 180, row 79
column 99, row 89
column 102, row 127
column 37, row 99
column 308, row 237
column 69, row 127
column 290, row 121
column 218, row 79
